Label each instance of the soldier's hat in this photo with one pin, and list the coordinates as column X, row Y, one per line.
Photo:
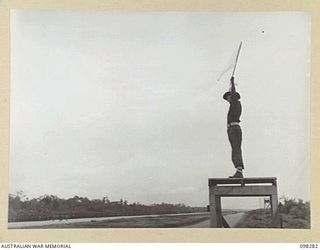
column 229, row 93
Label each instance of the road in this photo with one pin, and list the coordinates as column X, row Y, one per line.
column 26, row 224
column 232, row 220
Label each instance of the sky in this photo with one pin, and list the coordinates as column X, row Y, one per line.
column 129, row 104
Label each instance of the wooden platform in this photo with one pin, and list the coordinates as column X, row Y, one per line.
column 240, row 187
column 243, row 181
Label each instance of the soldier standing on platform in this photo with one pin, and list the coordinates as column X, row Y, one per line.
column 234, row 129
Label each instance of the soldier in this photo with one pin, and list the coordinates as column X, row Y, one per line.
column 234, row 129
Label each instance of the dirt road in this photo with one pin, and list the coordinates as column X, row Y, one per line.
column 232, row 220
column 199, row 220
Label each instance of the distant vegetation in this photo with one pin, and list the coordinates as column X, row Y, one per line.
column 293, row 213
column 48, row 207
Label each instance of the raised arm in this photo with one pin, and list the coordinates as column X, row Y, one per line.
column 233, row 88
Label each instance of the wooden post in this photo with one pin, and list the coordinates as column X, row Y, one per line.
column 275, row 211
column 213, row 210
column 219, row 211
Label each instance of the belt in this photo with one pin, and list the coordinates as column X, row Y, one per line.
column 232, row 124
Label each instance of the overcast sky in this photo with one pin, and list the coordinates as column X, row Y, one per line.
column 128, row 104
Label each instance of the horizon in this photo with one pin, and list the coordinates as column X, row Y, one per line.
column 259, row 200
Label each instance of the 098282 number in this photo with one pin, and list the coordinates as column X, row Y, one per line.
column 308, row 246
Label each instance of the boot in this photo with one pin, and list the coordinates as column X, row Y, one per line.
column 237, row 174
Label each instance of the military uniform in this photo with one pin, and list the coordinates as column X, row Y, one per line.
column 233, row 128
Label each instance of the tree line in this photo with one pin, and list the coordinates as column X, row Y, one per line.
column 49, row 207
column 295, row 208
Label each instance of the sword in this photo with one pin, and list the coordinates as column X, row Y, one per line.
column 235, row 65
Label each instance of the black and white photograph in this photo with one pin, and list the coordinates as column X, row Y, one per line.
column 159, row 119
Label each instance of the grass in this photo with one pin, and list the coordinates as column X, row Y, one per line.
column 290, row 221
column 261, row 218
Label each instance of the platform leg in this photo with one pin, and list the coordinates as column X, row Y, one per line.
column 219, row 211
column 213, row 211
column 275, row 211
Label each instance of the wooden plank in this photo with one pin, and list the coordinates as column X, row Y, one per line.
column 228, row 191
column 242, row 181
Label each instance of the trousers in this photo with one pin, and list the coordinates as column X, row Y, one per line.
column 235, row 139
